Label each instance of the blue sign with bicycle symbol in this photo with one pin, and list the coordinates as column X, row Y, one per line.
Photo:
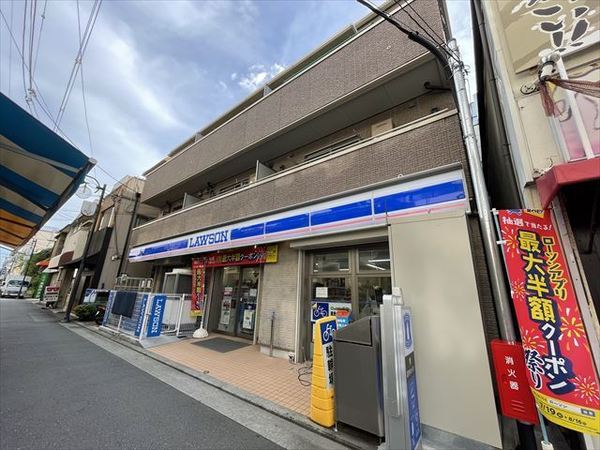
column 327, row 331
column 319, row 310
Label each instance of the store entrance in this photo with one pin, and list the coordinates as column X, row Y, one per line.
column 234, row 300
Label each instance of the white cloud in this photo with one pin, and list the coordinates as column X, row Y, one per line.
column 258, row 75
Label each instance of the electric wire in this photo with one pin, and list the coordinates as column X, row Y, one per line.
column 118, row 182
column 77, row 64
column 12, row 10
column 23, row 64
column 37, row 95
column 85, row 111
column 37, row 51
column 437, row 40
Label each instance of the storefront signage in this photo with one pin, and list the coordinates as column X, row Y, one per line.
column 198, row 287
column 327, row 330
column 51, row 293
column 249, row 256
column 516, row 400
column 140, row 319
column 156, row 315
column 352, row 212
column 562, row 376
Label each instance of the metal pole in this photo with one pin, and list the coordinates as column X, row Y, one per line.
column 81, row 268
column 272, row 328
column 27, row 268
column 492, row 253
column 131, row 222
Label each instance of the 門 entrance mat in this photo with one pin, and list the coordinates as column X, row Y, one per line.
column 221, row 345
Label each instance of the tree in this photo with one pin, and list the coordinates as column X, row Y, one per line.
column 34, row 271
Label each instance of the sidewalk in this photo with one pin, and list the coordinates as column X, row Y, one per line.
column 247, row 368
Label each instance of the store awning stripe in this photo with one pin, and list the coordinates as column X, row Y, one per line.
column 9, row 239
column 356, row 211
column 24, row 187
column 18, row 211
column 35, row 138
column 39, row 171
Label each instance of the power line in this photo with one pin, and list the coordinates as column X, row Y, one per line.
column 85, row 112
column 37, row 94
column 23, row 64
column 117, row 181
column 12, row 7
column 76, row 65
column 37, row 51
column 436, row 40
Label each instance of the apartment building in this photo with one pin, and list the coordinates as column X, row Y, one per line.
column 119, row 211
column 344, row 176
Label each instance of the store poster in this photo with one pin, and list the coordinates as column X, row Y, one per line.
column 198, row 287
column 249, row 256
column 562, row 376
column 226, row 306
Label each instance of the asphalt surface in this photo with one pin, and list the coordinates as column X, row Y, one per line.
column 59, row 390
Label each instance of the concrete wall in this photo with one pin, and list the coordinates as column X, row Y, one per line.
column 364, row 59
column 425, row 146
column 278, row 292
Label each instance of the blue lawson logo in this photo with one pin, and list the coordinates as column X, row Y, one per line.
column 156, row 315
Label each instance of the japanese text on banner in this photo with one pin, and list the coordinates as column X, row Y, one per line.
column 561, row 371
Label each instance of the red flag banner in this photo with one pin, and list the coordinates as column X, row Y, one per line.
column 198, row 287
column 562, row 375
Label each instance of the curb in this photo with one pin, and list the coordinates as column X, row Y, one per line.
column 255, row 400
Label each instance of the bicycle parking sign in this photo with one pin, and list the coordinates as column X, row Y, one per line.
column 327, row 330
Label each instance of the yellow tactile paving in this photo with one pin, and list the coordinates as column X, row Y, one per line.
column 272, row 378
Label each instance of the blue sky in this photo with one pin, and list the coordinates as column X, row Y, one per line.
column 156, row 72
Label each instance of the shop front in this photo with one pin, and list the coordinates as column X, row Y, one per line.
column 347, row 282
column 226, row 288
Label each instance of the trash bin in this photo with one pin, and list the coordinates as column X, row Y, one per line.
column 357, row 375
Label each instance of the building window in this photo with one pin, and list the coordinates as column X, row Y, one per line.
column 351, row 278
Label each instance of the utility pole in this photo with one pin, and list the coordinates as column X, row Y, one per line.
column 131, row 222
column 455, row 66
column 27, row 268
column 81, row 267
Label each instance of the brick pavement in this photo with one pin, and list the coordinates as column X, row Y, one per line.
column 247, row 368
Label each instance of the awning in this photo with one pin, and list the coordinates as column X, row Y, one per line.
column 39, row 172
column 550, row 183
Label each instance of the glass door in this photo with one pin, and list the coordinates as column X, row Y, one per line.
column 228, row 299
column 248, row 302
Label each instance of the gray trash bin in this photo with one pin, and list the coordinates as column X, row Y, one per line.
column 357, row 375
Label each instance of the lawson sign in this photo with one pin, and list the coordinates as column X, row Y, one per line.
column 353, row 212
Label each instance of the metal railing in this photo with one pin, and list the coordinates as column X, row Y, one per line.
column 154, row 314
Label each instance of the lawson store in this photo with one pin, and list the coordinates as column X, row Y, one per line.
column 331, row 257
column 272, row 275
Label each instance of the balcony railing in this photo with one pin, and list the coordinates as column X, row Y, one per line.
column 420, row 146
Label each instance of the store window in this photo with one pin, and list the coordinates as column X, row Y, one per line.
column 331, row 262
column 350, row 279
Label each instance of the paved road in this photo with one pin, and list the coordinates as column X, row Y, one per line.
column 59, row 390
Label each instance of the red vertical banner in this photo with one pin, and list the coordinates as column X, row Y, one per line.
column 562, row 375
column 198, row 286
